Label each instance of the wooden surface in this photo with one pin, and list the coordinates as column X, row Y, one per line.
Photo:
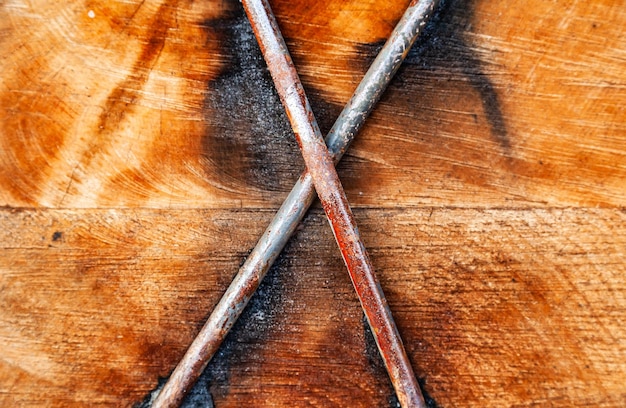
column 143, row 151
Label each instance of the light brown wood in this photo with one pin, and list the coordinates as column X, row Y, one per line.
column 143, row 151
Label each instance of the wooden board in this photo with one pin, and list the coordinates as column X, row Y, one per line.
column 143, row 150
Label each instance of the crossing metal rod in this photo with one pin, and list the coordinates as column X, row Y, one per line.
column 275, row 237
column 319, row 163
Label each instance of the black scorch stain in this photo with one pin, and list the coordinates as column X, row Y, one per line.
column 247, row 141
column 445, row 47
column 378, row 366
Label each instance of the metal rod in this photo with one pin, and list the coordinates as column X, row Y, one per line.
column 294, row 207
column 319, row 164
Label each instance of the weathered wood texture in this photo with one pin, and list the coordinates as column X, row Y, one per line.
column 497, row 307
column 169, row 105
column 143, row 150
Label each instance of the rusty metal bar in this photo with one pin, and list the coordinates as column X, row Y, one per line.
column 294, row 207
column 319, row 164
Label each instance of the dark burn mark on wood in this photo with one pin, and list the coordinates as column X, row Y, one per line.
column 149, row 399
column 248, row 141
column 446, row 50
column 446, row 47
column 57, row 236
column 376, row 363
column 198, row 397
column 253, row 328
column 442, row 110
column 243, row 343
column 430, row 401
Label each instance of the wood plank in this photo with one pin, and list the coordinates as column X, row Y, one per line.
column 498, row 307
column 108, row 111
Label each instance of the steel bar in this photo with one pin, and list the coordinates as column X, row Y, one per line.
column 294, row 207
column 319, row 163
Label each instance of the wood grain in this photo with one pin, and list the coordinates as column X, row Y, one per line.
column 143, row 150
column 487, row 111
column 496, row 306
